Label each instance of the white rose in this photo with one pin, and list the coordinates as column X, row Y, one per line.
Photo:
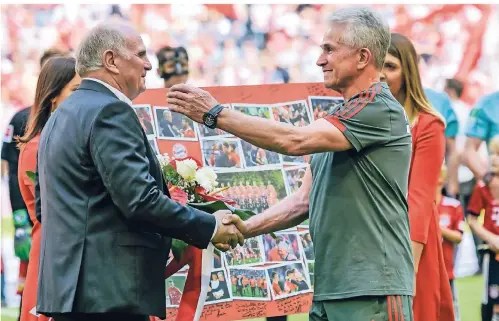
column 187, row 169
column 207, row 178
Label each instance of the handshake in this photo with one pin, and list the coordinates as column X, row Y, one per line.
column 231, row 231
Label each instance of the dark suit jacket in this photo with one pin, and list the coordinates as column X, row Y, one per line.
column 106, row 222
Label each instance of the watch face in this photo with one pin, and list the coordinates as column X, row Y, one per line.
column 209, row 120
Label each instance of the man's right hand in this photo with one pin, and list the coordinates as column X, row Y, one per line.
column 227, row 234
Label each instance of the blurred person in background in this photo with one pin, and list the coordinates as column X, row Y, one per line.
column 454, row 88
column 433, row 297
column 451, row 227
column 10, row 160
column 173, row 65
column 482, row 126
column 57, row 81
column 442, row 103
column 484, row 199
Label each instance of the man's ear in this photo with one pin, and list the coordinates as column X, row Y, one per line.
column 109, row 61
column 365, row 56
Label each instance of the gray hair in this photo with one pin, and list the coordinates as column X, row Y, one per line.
column 364, row 28
column 96, row 42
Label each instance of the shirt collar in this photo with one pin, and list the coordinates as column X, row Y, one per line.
column 115, row 91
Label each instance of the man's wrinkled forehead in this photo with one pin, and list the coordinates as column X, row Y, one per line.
column 135, row 43
column 333, row 35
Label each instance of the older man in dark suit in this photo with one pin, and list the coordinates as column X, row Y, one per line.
column 106, row 215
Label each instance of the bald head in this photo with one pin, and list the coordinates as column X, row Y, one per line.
column 110, row 36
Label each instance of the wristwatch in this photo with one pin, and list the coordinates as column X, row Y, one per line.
column 210, row 117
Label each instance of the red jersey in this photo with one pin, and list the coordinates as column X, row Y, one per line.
column 276, row 288
column 452, row 218
column 482, row 199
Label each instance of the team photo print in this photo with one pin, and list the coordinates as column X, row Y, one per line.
column 294, row 177
column 254, row 190
column 218, row 290
column 217, row 259
column 174, row 126
column 256, row 156
column 144, row 114
column 294, row 113
column 284, row 248
column 222, row 153
column 321, row 105
column 174, row 289
column 307, row 245
column 215, row 132
column 310, row 268
column 249, row 284
column 251, row 253
column 256, row 110
column 288, row 279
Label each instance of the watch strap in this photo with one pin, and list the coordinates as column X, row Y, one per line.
column 216, row 110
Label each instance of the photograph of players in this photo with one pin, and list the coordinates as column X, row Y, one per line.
column 294, row 177
column 253, row 189
column 218, row 290
column 288, row 279
column 249, row 283
column 222, row 153
column 174, row 126
column 212, row 133
column 284, row 248
column 247, row 255
column 174, row 289
column 321, row 105
column 310, row 267
column 256, row 156
column 262, row 111
column 307, row 245
column 217, row 259
column 295, row 113
column 144, row 113
column 154, row 145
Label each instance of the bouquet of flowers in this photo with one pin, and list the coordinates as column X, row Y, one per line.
column 191, row 183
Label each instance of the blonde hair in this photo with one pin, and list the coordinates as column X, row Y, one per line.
column 415, row 98
column 494, row 144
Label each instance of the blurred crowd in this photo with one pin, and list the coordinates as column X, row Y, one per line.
column 250, row 44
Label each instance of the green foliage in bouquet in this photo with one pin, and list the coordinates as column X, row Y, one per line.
column 31, row 176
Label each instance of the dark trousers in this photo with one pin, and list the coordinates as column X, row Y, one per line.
column 279, row 318
column 99, row 317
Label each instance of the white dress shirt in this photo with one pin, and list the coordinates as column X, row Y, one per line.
column 121, row 96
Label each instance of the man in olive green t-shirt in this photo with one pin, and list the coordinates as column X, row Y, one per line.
column 355, row 191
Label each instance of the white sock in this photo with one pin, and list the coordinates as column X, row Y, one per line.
column 495, row 316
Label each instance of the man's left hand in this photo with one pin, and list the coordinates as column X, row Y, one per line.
column 190, row 101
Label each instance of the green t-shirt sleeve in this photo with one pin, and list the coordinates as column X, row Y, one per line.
column 363, row 122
